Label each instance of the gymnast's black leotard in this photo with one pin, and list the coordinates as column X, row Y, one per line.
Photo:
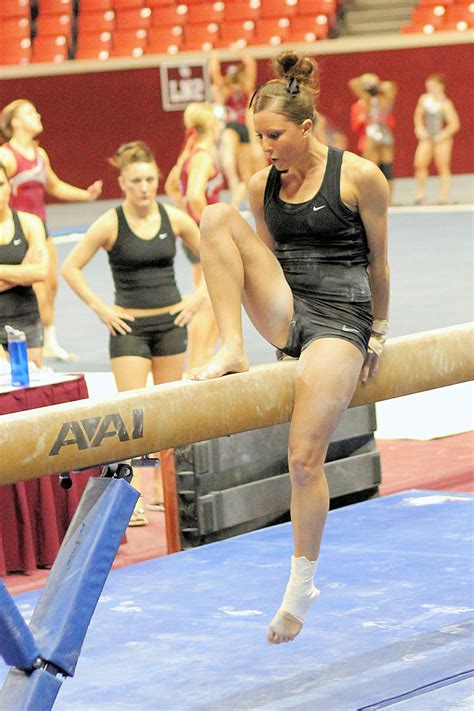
column 322, row 248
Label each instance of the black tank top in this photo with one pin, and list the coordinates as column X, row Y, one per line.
column 143, row 269
column 19, row 300
column 320, row 244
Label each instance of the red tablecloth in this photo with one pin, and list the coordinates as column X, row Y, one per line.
column 34, row 515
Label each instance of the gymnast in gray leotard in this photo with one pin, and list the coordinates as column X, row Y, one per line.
column 436, row 122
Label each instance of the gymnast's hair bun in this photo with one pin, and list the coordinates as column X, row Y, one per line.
column 289, row 65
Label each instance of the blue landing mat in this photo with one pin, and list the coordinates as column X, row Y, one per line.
column 393, row 625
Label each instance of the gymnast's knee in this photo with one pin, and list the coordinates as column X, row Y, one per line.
column 216, row 217
column 306, row 467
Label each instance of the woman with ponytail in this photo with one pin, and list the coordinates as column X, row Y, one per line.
column 194, row 182
column 147, row 323
column 314, row 280
column 32, row 178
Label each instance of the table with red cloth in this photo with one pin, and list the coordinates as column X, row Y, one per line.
column 34, row 515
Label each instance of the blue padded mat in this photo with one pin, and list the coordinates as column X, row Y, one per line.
column 392, row 627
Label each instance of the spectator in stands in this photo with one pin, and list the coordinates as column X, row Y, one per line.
column 372, row 120
column 194, row 182
column 147, row 323
column 23, row 262
column 304, row 279
column 436, row 123
column 32, row 177
column 240, row 156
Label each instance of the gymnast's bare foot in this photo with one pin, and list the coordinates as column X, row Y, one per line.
column 225, row 361
column 283, row 628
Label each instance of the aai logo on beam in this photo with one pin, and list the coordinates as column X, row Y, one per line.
column 91, row 432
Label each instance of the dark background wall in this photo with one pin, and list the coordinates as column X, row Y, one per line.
column 86, row 116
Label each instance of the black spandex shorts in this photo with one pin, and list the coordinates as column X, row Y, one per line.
column 151, row 336
column 351, row 321
column 241, row 129
column 31, row 326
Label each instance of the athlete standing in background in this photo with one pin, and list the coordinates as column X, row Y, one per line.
column 194, row 182
column 32, row 178
column 147, row 323
column 436, row 123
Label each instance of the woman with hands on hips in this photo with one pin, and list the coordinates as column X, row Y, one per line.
column 147, row 323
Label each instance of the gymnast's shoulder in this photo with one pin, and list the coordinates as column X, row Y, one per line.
column 258, row 182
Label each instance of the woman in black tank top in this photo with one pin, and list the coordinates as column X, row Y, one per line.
column 314, row 280
column 147, row 323
column 23, row 262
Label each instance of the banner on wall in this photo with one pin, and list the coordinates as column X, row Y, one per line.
column 182, row 84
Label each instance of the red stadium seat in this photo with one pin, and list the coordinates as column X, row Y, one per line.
column 169, row 16
column 94, row 46
column 55, row 25
column 431, row 3
column 50, row 49
column 92, row 53
column 95, row 6
column 135, row 18
column 14, row 53
column 200, row 37
column 56, row 7
column 277, row 8
column 302, row 32
column 161, row 3
column 14, row 28
column 312, row 24
column 421, row 16
column 242, row 11
column 162, row 35
column 126, row 4
column 164, row 41
column 206, row 12
column 316, row 7
column 96, row 21
column 128, row 43
column 15, row 8
column 237, row 33
column 271, row 31
column 460, row 13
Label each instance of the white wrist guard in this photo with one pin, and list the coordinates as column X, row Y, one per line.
column 378, row 336
column 300, row 591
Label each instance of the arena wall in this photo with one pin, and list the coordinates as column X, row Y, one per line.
column 89, row 108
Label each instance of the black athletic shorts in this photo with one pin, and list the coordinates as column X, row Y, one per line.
column 31, row 326
column 151, row 336
column 351, row 321
column 241, row 129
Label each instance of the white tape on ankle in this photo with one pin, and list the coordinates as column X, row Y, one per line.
column 300, row 591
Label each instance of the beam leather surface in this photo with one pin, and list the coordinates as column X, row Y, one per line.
column 86, row 433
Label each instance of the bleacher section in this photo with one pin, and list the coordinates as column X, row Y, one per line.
column 441, row 15
column 58, row 30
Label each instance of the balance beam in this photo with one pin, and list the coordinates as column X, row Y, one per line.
column 86, row 433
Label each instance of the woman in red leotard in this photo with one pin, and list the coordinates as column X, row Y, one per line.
column 240, row 153
column 32, row 177
column 194, row 182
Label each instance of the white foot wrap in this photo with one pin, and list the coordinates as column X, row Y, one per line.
column 300, row 591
